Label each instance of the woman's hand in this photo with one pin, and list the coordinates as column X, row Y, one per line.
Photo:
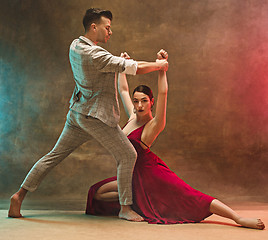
column 163, row 64
column 162, row 54
column 162, row 57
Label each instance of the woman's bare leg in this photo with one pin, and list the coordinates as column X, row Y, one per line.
column 15, row 203
column 107, row 192
column 222, row 210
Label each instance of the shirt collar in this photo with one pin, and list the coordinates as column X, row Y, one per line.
column 88, row 41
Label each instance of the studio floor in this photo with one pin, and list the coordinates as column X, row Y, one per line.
column 74, row 224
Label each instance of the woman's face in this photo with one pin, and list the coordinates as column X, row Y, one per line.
column 142, row 103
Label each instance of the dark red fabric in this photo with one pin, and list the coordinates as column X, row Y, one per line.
column 159, row 195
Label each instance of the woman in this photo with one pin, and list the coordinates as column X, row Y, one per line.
column 159, row 195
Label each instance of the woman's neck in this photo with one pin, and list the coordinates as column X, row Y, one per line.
column 144, row 119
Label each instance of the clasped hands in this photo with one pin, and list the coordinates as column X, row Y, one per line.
column 161, row 59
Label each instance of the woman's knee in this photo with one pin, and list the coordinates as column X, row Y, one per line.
column 97, row 196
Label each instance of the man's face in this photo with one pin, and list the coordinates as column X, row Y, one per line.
column 103, row 30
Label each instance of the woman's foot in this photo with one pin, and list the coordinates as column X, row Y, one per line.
column 251, row 223
column 128, row 214
column 15, row 205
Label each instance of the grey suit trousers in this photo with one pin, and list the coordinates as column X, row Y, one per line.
column 77, row 130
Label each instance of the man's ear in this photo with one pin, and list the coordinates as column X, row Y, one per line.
column 93, row 26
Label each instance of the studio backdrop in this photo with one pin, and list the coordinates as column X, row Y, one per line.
column 216, row 136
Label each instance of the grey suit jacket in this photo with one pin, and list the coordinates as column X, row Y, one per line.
column 94, row 69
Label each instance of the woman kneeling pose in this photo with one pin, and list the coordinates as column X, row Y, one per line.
column 159, row 195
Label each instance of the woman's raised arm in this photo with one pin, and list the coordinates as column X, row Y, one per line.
column 124, row 94
column 159, row 120
column 161, row 105
column 157, row 124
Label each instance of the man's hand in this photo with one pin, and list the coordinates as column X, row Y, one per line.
column 162, row 54
column 163, row 64
column 160, row 64
column 125, row 55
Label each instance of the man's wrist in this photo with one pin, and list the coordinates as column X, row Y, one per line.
column 158, row 66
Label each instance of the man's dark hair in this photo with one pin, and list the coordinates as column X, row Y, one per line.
column 93, row 15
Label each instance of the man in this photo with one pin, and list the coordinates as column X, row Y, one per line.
column 94, row 110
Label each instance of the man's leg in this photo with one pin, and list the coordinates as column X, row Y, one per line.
column 71, row 137
column 116, row 142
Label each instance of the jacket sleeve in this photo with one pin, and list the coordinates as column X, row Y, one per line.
column 106, row 62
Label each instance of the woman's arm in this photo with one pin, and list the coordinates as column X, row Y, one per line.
column 160, row 113
column 124, row 94
column 157, row 124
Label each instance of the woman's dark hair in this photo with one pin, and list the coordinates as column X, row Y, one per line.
column 144, row 89
column 93, row 15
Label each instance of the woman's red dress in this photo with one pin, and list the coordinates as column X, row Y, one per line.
column 159, row 195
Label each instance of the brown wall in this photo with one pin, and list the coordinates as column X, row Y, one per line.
column 216, row 136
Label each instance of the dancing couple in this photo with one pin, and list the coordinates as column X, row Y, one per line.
column 154, row 193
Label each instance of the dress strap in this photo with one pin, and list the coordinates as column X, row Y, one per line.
column 129, row 120
column 145, row 144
